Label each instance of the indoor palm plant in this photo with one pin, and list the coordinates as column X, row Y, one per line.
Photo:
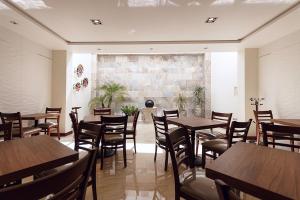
column 181, row 101
column 110, row 92
column 198, row 99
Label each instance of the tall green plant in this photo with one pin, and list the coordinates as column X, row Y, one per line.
column 112, row 92
column 181, row 101
column 199, row 95
column 97, row 102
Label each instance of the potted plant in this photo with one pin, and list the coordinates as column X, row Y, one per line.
column 198, row 99
column 110, row 92
column 129, row 110
column 181, row 101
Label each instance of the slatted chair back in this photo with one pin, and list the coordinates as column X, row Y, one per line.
column 114, row 125
column 238, row 132
column 7, row 130
column 160, row 125
column 223, row 117
column 278, row 135
column 135, row 120
column 180, row 149
column 171, row 113
column 89, row 134
column 262, row 116
column 102, row 111
column 15, row 119
column 56, row 111
column 68, row 183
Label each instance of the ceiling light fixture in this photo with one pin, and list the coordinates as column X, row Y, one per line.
column 99, row 49
column 211, row 20
column 96, row 21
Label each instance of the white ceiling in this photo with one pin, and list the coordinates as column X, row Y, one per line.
column 144, row 24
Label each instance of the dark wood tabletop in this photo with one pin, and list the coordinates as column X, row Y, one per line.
column 24, row 157
column 196, row 123
column 287, row 122
column 263, row 172
column 37, row 116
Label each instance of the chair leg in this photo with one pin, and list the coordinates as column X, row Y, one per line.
column 203, row 157
column 166, row 160
column 58, row 133
column 124, row 155
column 134, row 143
column 102, row 156
column 94, row 186
column 197, row 145
column 155, row 152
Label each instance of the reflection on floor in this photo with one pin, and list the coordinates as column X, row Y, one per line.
column 142, row 179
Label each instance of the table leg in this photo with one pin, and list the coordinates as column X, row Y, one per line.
column 197, row 160
column 36, row 122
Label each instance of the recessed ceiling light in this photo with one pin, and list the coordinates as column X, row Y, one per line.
column 13, row 22
column 211, row 20
column 205, row 48
column 96, row 21
column 99, row 49
column 151, row 49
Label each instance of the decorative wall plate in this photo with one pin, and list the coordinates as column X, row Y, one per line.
column 77, row 86
column 79, row 70
column 85, row 82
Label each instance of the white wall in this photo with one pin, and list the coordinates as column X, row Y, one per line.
column 279, row 76
column 223, row 82
column 25, row 71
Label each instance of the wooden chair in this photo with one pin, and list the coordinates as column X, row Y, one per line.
column 114, row 135
column 17, row 127
column 69, row 183
column 171, row 113
column 189, row 184
column 102, row 111
column 6, row 129
column 131, row 131
column 277, row 135
column 51, row 122
column 161, row 129
column 225, row 192
column 87, row 137
column 213, row 133
column 238, row 133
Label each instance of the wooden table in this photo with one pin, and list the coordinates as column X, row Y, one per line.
column 196, row 123
column 287, row 122
column 260, row 171
column 24, row 157
column 37, row 116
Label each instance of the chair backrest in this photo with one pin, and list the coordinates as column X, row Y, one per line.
column 160, row 125
column 277, row 135
column 56, row 111
column 225, row 192
column 15, row 119
column 180, row 149
column 102, row 111
column 114, row 125
column 238, row 132
column 262, row 116
column 171, row 113
column 88, row 134
column 74, row 121
column 68, row 183
column 6, row 129
column 135, row 119
column 224, row 117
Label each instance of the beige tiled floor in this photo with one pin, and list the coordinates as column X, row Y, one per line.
column 143, row 179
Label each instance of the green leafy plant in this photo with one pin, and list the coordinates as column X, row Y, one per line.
column 129, row 110
column 109, row 92
column 181, row 101
column 199, row 95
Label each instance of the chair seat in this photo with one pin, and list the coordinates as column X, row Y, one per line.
column 216, row 145
column 26, row 131
column 130, row 132
column 113, row 138
column 201, row 188
column 162, row 140
column 210, row 134
column 47, row 125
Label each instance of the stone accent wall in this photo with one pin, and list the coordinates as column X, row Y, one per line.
column 157, row 77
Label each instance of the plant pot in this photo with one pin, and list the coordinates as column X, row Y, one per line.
column 130, row 118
